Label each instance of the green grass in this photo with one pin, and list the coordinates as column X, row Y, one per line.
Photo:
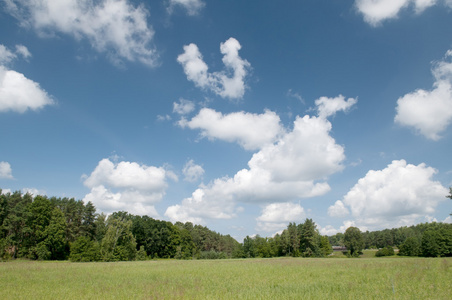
column 277, row 278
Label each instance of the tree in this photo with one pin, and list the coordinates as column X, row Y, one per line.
column 325, row 246
column 308, row 238
column 118, row 242
column 84, row 249
column 411, row 247
column 354, row 241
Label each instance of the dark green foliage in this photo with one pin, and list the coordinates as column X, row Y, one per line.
column 141, row 254
column 411, row 247
column 386, row 251
column 354, row 241
column 437, row 242
column 83, row 249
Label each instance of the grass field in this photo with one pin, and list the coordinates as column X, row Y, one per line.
column 277, row 278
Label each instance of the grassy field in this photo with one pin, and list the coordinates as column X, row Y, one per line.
column 277, row 278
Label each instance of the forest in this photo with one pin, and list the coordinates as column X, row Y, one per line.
column 43, row 228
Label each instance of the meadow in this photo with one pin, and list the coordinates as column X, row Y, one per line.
column 275, row 278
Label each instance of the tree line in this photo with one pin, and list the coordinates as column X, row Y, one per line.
column 53, row 228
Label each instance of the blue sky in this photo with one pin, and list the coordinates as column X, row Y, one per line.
column 241, row 116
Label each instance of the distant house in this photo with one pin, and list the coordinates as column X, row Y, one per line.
column 339, row 248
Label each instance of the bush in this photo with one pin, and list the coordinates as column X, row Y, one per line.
column 386, row 251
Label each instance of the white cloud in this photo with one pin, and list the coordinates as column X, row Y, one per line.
column 377, row 11
column 115, row 27
column 18, row 93
column 251, row 131
column 306, row 153
column 192, row 6
column 294, row 167
column 338, row 209
column 23, row 51
column 183, row 107
column 429, row 112
column 276, row 216
column 218, row 82
column 6, row 56
column 192, row 171
column 5, row 170
column 127, row 186
column 399, row 195
column 330, row 106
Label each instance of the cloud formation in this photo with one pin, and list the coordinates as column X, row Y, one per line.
column 18, row 93
column 328, row 107
column 191, row 6
column 115, row 27
column 377, row 11
column 183, row 107
column 251, row 131
column 192, row 171
column 127, row 186
column 276, row 216
column 295, row 166
column 5, row 170
column 429, row 112
column 233, row 86
column 399, row 195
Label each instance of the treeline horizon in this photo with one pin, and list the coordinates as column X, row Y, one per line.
column 43, row 228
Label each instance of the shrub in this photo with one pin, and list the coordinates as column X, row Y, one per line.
column 386, row 251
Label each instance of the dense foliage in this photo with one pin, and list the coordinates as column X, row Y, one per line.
column 45, row 228
column 297, row 240
column 60, row 228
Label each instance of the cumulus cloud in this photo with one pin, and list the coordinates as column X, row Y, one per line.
column 251, row 131
column 377, row 11
column 115, row 27
column 295, row 166
column 127, row 186
column 191, row 6
column 399, row 195
column 19, row 94
column 429, row 112
column 338, row 209
column 327, row 107
column 183, row 107
column 192, row 171
column 227, row 84
column 5, row 170
column 276, row 216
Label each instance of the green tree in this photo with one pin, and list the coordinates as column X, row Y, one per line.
column 309, row 238
column 118, row 242
column 325, row 246
column 354, row 241
column 83, row 249
column 411, row 247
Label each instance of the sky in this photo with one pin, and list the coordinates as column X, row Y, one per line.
column 241, row 116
